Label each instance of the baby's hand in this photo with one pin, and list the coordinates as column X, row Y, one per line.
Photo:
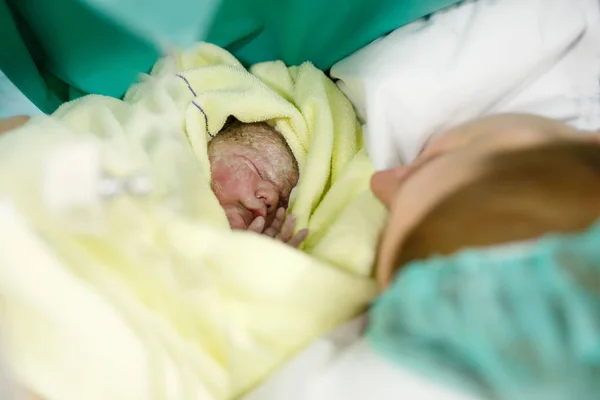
column 282, row 228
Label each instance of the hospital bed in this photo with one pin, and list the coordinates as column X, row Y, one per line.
column 444, row 59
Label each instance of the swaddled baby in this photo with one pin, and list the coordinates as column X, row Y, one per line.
column 253, row 174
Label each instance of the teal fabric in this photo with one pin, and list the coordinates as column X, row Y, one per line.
column 160, row 22
column 13, row 102
column 73, row 46
column 319, row 31
column 18, row 65
column 54, row 50
column 515, row 322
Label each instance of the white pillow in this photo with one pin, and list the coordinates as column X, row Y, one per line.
column 470, row 60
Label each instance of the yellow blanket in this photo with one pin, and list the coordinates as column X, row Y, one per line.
column 119, row 277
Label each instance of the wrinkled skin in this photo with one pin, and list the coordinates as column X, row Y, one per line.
column 253, row 185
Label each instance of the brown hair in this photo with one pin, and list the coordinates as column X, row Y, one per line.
column 519, row 195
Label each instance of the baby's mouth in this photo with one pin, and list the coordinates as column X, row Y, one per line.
column 249, row 215
column 259, row 212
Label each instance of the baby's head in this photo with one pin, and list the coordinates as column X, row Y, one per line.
column 253, row 171
column 497, row 180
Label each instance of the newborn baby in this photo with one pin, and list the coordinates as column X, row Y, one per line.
column 253, row 173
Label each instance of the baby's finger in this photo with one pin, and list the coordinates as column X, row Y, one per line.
column 275, row 227
column 279, row 219
column 299, row 238
column 287, row 230
column 257, row 225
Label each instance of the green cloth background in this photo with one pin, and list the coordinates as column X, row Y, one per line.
column 57, row 50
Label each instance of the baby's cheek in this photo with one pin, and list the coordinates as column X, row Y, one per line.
column 236, row 189
column 225, row 184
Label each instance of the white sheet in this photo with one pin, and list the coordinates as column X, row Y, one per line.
column 478, row 58
column 342, row 366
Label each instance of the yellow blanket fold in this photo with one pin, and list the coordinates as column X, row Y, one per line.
column 119, row 276
column 318, row 123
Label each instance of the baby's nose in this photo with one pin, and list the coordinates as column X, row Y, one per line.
column 270, row 197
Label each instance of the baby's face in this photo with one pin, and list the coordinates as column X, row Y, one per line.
column 249, row 183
